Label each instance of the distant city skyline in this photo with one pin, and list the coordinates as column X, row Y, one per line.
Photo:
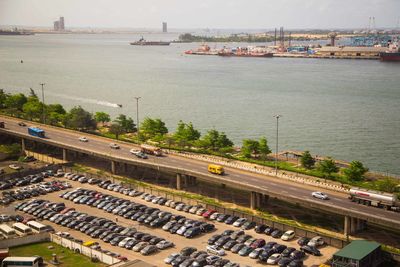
column 229, row 14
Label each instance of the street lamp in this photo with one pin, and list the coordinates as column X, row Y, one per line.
column 276, row 149
column 43, row 113
column 137, row 115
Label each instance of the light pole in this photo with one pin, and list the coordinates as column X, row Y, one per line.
column 137, row 116
column 276, row 149
column 43, row 112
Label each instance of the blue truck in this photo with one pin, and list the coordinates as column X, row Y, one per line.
column 35, row 131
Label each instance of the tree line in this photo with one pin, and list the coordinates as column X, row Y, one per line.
column 185, row 137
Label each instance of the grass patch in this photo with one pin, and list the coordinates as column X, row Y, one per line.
column 67, row 257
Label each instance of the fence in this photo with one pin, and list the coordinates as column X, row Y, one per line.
column 333, row 241
column 29, row 172
column 23, row 240
column 79, row 248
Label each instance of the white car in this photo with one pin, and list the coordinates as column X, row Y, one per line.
column 14, row 167
column 320, row 195
column 134, row 151
column 274, row 258
column 83, row 139
column 288, row 235
column 114, row 146
column 316, row 241
column 215, row 250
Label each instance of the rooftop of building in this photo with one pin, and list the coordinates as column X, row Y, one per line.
column 357, row 250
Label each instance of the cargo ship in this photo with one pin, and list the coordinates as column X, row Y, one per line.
column 392, row 54
column 15, row 32
column 142, row 41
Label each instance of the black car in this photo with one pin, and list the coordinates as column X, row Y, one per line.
column 266, row 254
column 131, row 243
column 228, row 245
column 222, row 217
column 207, row 227
column 303, row 241
column 213, row 239
column 231, row 219
column 311, row 250
column 277, row 233
column 260, row 228
column 296, row 263
column 186, row 251
column 297, row 255
column 279, row 248
column 192, row 232
column 269, row 230
column 248, row 225
column 284, row 262
column 236, row 248
column 175, row 228
column 222, row 240
column 287, row 252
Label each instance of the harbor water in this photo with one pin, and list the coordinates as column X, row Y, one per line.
column 347, row 109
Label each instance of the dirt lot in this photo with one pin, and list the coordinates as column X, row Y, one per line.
column 181, row 242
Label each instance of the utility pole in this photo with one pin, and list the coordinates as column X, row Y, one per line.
column 276, row 149
column 137, row 116
column 43, row 109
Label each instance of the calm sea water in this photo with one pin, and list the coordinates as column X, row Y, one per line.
column 346, row 109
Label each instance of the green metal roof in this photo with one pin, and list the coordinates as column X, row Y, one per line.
column 357, row 250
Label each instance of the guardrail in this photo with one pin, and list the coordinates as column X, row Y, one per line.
column 262, row 170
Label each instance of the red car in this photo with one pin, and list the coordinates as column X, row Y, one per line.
column 208, row 213
column 66, row 210
column 258, row 243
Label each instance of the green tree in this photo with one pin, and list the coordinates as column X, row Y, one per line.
column 263, row 148
column 250, row 147
column 215, row 141
column 307, row 161
column 32, row 94
column 186, row 134
column 14, row 103
column 55, row 118
column 126, row 123
column 327, row 167
column 151, row 128
column 80, row 119
column 387, row 185
column 33, row 109
column 102, row 117
column 116, row 129
column 356, row 171
column 57, row 108
column 3, row 97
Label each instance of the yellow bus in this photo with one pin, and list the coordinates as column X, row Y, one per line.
column 216, row 169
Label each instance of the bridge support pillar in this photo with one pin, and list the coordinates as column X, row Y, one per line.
column 346, row 227
column 178, row 181
column 23, row 146
column 113, row 167
column 65, row 154
column 353, row 225
column 255, row 199
column 125, row 167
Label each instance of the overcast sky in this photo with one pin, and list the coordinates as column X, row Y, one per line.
column 202, row 13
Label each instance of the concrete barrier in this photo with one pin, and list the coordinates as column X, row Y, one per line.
column 23, row 240
column 79, row 248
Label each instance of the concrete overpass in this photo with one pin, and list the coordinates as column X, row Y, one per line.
column 188, row 170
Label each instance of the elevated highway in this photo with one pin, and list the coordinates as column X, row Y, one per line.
column 257, row 184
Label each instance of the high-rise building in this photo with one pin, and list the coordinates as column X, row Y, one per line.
column 62, row 27
column 164, row 27
column 56, row 25
column 59, row 24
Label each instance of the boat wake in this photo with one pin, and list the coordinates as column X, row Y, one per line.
column 87, row 100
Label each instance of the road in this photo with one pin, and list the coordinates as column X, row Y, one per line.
column 337, row 203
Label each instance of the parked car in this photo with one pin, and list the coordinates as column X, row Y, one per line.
column 212, row 249
column 288, row 235
column 310, row 250
column 316, row 241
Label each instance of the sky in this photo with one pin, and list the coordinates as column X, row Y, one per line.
column 229, row 14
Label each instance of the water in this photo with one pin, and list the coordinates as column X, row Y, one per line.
column 347, row 109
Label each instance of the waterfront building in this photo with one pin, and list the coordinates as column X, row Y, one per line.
column 59, row 24
column 350, row 52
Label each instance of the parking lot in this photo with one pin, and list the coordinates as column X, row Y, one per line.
column 200, row 242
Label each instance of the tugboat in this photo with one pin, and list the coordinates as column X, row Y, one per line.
column 392, row 54
column 142, row 41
